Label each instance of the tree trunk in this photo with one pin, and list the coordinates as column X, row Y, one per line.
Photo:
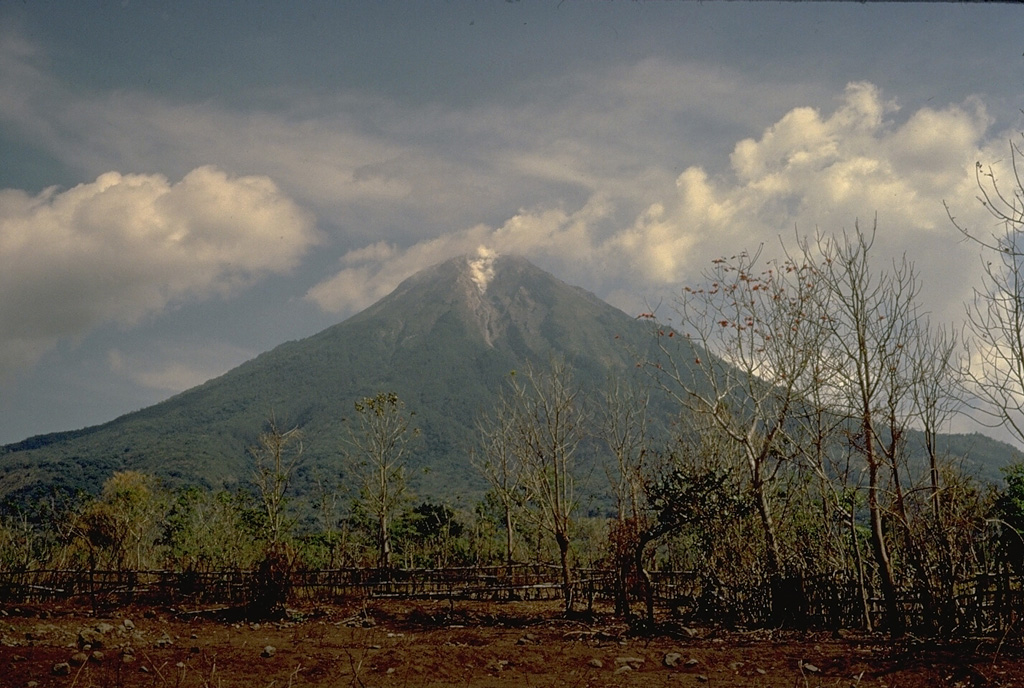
column 620, row 539
column 878, row 544
column 508, row 537
column 648, row 584
column 384, row 542
column 563, row 554
column 777, row 608
column 933, row 474
column 866, row 607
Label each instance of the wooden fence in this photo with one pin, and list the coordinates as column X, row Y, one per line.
column 519, row 582
column 985, row 604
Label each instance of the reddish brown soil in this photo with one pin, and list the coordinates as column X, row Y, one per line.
column 469, row 644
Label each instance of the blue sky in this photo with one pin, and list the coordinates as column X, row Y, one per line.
column 185, row 185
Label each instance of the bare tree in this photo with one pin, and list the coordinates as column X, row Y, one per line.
column 996, row 314
column 327, row 499
column 547, row 426
column 499, row 463
column 377, row 448
column 624, row 427
column 274, row 460
column 752, row 336
column 936, row 389
column 873, row 320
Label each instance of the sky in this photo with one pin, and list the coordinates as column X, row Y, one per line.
column 186, row 185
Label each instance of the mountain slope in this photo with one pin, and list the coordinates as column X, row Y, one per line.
column 444, row 340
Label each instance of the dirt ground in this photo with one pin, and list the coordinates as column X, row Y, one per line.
column 420, row 644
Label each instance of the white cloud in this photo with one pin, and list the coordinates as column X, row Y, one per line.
column 379, row 169
column 810, row 169
column 371, row 273
column 562, row 240
column 128, row 245
column 601, row 198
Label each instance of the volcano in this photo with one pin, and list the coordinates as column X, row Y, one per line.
column 445, row 341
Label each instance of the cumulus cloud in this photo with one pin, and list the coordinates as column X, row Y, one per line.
column 810, row 170
column 368, row 274
column 601, row 198
column 559, row 238
column 815, row 170
column 377, row 168
column 126, row 246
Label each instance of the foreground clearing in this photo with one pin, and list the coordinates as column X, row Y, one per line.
column 419, row 644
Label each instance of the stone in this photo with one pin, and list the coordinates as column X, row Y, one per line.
column 596, row 663
column 103, row 628
column 810, row 667
column 61, row 669
column 97, row 656
column 128, row 624
column 692, row 662
column 671, row 659
column 624, row 669
column 268, row 651
column 91, row 638
column 78, row 659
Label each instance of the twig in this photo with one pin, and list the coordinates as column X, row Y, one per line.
column 155, row 667
column 291, row 677
column 77, row 674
